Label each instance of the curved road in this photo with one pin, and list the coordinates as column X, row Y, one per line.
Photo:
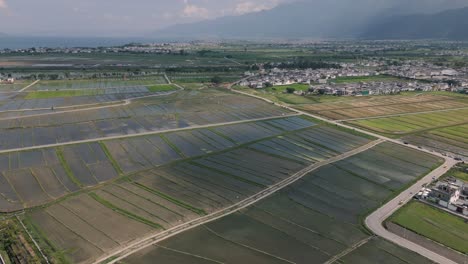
column 375, row 220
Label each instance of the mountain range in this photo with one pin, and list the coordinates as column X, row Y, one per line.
column 451, row 24
column 336, row 19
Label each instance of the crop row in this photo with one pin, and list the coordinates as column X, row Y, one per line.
column 414, row 123
column 36, row 177
column 95, row 84
column 143, row 116
column 162, row 197
column 311, row 221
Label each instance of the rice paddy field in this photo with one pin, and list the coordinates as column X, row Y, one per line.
column 178, row 110
column 96, row 84
column 375, row 106
column 442, row 131
column 197, row 177
column 13, row 87
column 435, row 224
column 36, row 177
column 310, row 221
column 194, row 77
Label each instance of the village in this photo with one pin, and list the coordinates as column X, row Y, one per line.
column 367, row 78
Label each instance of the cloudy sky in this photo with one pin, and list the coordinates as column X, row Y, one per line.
column 114, row 17
column 141, row 17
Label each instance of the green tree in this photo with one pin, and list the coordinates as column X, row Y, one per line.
column 290, row 90
column 216, row 80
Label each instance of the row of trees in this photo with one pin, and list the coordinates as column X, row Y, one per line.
column 302, row 63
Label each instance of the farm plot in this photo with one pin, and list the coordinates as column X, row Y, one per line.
column 414, row 123
column 145, row 152
column 37, row 177
column 308, row 222
column 390, row 170
column 311, row 145
column 88, row 163
column 450, row 139
column 163, row 197
column 85, row 228
column 385, row 105
column 95, row 84
column 32, row 178
column 434, row 224
column 378, row 250
column 180, row 110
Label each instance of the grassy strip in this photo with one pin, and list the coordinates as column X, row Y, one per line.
column 61, row 93
column 222, row 135
column 171, row 199
column 124, row 212
column 50, row 250
column 160, row 88
column 173, row 146
column 67, row 168
column 115, row 164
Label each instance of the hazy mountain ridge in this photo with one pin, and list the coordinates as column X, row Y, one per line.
column 451, row 24
column 320, row 19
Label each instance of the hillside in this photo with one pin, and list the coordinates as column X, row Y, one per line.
column 451, row 24
column 332, row 19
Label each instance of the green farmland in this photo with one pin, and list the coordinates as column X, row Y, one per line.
column 435, row 224
column 376, row 78
column 62, row 93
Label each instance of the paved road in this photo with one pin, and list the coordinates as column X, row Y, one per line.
column 403, row 114
column 25, row 88
column 121, row 253
column 375, row 220
column 144, row 133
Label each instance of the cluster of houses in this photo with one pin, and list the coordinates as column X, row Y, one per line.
column 426, row 71
column 321, row 81
column 9, row 80
column 277, row 76
column 450, row 193
column 373, row 88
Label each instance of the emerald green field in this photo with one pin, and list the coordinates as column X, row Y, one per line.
column 435, row 224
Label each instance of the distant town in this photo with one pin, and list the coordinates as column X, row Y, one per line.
column 411, row 76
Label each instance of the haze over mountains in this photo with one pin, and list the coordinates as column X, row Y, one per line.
column 451, row 24
column 370, row 19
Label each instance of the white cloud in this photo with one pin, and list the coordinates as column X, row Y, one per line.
column 250, row 6
column 3, row 4
column 195, row 11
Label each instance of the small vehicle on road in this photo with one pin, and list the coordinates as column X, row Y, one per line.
column 400, row 203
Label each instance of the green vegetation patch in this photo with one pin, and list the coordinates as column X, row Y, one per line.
column 374, row 78
column 115, row 164
column 460, row 171
column 435, row 224
column 62, row 93
column 67, row 168
column 161, row 88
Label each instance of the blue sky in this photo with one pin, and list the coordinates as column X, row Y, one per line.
column 114, row 17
